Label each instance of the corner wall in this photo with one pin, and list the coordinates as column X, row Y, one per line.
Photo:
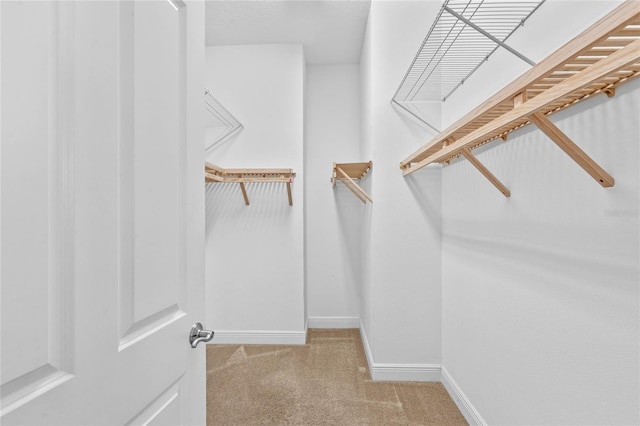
column 332, row 220
column 401, row 277
column 366, row 151
column 540, row 290
column 254, row 254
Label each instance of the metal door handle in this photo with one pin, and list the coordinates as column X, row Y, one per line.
column 199, row 334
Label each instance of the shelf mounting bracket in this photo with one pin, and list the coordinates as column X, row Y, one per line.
column 482, row 169
column 572, row 150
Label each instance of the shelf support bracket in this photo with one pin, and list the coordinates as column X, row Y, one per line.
column 572, row 150
column 244, row 193
column 334, row 176
column 346, row 183
column 289, row 193
column 482, row 169
column 357, row 189
column 414, row 115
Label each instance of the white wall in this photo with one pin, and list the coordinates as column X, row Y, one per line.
column 332, row 215
column 255, row 253
column 403, row 285
column 540, row 291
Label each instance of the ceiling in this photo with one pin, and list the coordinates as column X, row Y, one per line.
column 331, row 31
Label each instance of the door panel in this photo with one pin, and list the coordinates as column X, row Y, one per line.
column 158, row 157
column 102, row 213
column 163, row 410
column 152, row 165
column 35, row 210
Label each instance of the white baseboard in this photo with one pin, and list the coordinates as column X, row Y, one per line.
column 464, row 405
column 333, row 322
column 259, row 337
column 367, row 347
column 381, row 372
column 385, row 372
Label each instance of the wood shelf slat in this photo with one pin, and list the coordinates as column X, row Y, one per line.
column 215, row 174
column 348, row 173
column 583, row 54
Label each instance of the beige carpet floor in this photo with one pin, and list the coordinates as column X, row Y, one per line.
column 325, row 382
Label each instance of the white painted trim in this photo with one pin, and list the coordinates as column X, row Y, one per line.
column 334, row 322
column 381, row 372
column 365, row 343
column 259, row 337
column 464, row 405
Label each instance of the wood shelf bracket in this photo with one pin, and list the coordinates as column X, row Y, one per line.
column 572, row 150
column 482, row 169
column 348, row 173
column 215, row 174
column 597, row 61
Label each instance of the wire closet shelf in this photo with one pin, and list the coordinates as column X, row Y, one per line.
column 219, row 122
column 463, row 36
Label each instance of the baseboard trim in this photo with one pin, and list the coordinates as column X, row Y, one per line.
column 381, row 372
column 464, row 405
column 386, row 372
column 259, row 337
column 367, row 347
column 333, row 322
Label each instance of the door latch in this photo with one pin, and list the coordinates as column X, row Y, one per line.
column 199, row 334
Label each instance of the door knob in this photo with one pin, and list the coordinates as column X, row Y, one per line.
column 199, row 334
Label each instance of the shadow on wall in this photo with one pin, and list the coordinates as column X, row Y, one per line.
column 221, row 137
column 269, row 205
column 214, row 194
column 586, row 286
column 349, row 209
column 430, row 207
column 420, row 117
column 420, row 181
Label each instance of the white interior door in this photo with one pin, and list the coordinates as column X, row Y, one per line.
column 102, row 212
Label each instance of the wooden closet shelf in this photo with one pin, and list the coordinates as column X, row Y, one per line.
column 215, row 174
column 347, row 172
column 598, row 60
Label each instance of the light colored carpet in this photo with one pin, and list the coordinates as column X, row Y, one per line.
column 325, row 382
